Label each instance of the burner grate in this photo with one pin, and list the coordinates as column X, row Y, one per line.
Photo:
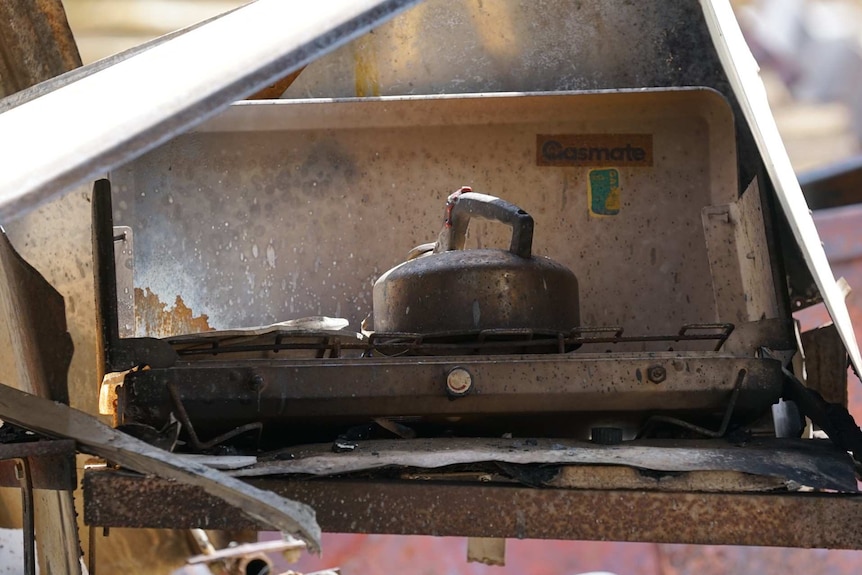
column 514, row 341
column 490, row 341
column 276, row 345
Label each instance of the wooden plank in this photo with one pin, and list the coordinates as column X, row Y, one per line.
column 34, row 356
column 55, row 419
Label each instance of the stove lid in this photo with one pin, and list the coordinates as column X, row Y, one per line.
column 743, row 74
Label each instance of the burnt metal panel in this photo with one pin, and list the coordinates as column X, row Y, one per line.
column 52, row 464
column 349, row 506
column 215, row 393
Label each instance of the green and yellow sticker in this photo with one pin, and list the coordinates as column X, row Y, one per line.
column 604, row 192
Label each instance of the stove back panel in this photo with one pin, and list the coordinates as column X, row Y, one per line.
column 287, row 209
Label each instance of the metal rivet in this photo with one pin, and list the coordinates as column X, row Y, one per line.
column 458, row 382
column 656, row 373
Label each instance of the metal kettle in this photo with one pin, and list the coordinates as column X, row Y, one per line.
column 448, row 289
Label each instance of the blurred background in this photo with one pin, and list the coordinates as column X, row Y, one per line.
column 810, row 52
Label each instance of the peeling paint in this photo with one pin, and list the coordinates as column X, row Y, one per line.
column 153, row 317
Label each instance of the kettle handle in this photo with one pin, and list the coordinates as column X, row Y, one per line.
column 465, row 204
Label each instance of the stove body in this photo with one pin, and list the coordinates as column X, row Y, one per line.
column 290, row 209
column 294, row 208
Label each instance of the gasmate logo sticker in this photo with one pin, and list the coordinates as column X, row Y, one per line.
column 594, row 150
column 604, row 192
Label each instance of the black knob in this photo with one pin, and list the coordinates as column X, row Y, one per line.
column 606, row 435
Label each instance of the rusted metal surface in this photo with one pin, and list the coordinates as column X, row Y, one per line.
column 462, row 510
column 36, row 448
column 157, row 319
column 52, row 464
column 825, row 364
column 36, row 44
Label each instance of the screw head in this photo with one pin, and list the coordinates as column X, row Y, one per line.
column 656, row 373
column 256, row 382
column 458, row 382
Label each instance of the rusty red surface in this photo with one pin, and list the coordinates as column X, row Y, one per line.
column 387, row 554
column 841, row 231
